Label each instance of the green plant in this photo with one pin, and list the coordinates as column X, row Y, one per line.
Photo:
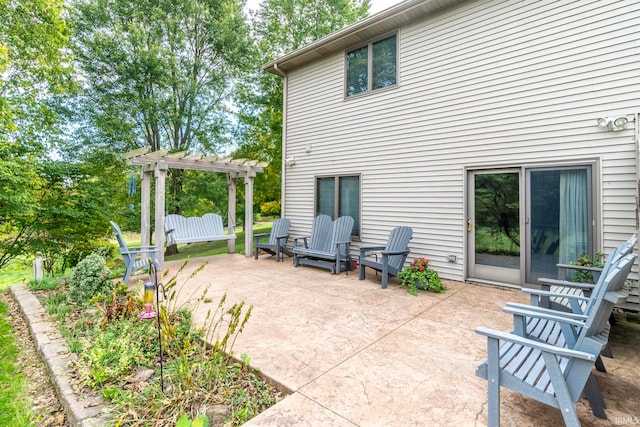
column 420, row 275
column 47, row 283
column 584, row 260
column 14, row 405
column 200, row 421
column 89, row 278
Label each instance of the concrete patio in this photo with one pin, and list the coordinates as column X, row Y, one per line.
column 353, row 354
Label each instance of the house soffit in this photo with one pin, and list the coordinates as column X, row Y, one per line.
column 362, row 31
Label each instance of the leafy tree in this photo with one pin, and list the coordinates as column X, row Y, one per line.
column 159, row 74
column 34, row 70
column 279, row 27
column 159, row 71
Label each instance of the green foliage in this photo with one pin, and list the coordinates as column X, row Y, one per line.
column 584, row 260
column 420, row 275
column 46, row 284
column 270, row 208
column 200, row 421
column 113, row 342
column 14, row 406
column 88, row 279
column 114, row 353
column 158, row 73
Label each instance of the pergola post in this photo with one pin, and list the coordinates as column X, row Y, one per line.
column 248, row 212
column 161, row 176
column 231, row 210
column 145, row 205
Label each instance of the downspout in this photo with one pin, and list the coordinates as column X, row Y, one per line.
column 636, row 116
column 283, row 172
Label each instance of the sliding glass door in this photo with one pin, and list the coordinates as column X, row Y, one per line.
column 522, row 222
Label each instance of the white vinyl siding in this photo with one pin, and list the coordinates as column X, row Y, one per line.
column 487, row 84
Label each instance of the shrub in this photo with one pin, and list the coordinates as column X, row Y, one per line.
column 270, row 208
column 88, row 279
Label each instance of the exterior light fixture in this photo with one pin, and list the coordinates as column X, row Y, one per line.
column 613, row 123
column 290, row 161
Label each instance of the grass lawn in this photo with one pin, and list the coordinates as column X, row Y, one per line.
column 194, row 250
column 14, row 406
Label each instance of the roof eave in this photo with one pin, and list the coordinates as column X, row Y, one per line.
column 362, row 31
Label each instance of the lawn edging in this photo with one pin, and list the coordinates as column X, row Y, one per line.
column 84, row 411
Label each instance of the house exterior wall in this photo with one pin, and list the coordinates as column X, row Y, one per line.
column 483, row 85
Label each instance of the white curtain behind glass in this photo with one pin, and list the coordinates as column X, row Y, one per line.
column 573, row 215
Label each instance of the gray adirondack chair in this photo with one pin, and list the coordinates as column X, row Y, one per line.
column 544, row 329
column 319, row 238
column 276, row 240
column 558, row 288
column 392, row 255
column 135, row 257
column 327, row 253
column 554, row 373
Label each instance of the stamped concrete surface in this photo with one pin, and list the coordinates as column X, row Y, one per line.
column 353, row 354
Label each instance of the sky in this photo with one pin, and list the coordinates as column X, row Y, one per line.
column 376, row 5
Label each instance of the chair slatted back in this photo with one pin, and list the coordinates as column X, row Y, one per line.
column 398, row 241
column 280, row 228
column 342, row 228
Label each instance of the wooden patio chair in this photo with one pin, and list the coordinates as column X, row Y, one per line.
column 276, row 240
column 558, row 288
column 553, row 368
column 135, row 257
column 327, row 253
column 392, row 255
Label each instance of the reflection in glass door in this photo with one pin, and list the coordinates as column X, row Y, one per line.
column 494, row 226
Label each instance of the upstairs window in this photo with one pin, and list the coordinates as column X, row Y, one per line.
column 373, row 66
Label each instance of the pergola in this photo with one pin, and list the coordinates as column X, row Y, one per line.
column 156, row 164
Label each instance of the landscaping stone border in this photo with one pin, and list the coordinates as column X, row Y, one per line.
column 81, row 411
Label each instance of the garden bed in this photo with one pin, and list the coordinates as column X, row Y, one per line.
column 117, row 357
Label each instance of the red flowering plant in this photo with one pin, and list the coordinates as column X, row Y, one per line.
column 420, row 275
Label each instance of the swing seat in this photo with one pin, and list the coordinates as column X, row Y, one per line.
column 206, row 228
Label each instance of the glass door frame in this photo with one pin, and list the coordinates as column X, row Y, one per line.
column 595, row 217
column 482, row 273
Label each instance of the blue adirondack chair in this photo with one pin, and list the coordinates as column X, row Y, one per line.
column 325, row 252
column 392, row 255
column 135, row 257
column 276, row 240
column 556, row 373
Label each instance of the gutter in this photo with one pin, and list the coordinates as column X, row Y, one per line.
column 283, row 167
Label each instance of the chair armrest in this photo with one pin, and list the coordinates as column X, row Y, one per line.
column 404, row 252
column 547, row 348
column 371, row 248
column 580, row 267
column 546, row 283
column 514, row 307
column 553, row 315
column 142, row 248
column 544, row 293
column 304, row 238
column 261, row 234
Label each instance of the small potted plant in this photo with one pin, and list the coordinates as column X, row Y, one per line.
column 420, row 275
